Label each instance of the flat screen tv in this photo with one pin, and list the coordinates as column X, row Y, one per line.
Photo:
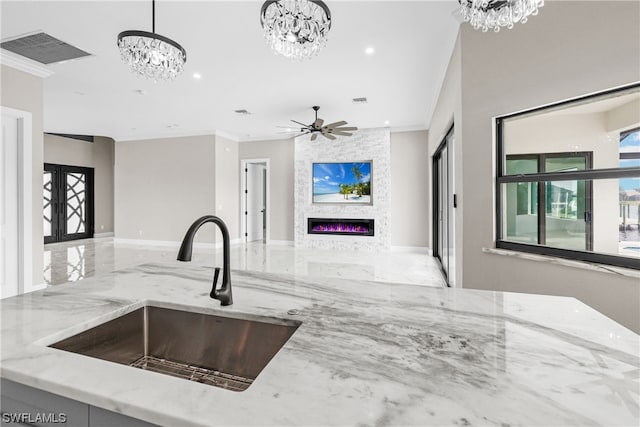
column 337, row 183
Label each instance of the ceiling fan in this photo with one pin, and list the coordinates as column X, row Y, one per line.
column 328, row 131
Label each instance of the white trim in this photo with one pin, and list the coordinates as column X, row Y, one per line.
column 21, row 63
column 227, row 135
column 412, row 249
column 281, row 242
column 172, row 244
column 267, row 138
column 400, row 129
column 100, row 235
column 243, row 201
column 119, row 138
column 25, row 202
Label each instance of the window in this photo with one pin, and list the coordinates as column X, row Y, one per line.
column 568, row 179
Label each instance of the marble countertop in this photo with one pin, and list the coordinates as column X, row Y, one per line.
column 367, row 353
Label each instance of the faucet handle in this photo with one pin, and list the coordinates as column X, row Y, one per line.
column 215, row 282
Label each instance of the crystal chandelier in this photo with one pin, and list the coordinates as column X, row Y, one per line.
column 485, row 14
column 296, row 29
column 151, row 55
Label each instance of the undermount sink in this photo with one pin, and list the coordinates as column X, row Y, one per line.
column 215, row 350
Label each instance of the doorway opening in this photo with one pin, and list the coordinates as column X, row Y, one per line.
column 255, row 197
column 68, row 203
column 444, row 204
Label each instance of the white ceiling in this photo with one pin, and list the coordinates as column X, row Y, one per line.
column 97, row 95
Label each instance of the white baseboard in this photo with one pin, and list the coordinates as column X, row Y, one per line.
column 280, row 242
column 35, row 287
column 412, row 249
column 163, row 243
column 173, row 244
column 99, row 235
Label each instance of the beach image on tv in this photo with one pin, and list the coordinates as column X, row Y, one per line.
column 342, row 182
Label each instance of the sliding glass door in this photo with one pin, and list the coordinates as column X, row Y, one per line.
column 444, row 203
column 68, row 203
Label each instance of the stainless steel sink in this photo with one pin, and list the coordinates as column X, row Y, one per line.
column 220, row 351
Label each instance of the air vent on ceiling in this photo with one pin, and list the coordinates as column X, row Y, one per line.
column 243, row 112
column 43, row 48
column 362, row 100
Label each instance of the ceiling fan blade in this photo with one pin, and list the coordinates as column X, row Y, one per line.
column 301, row 124
column 318, row 123
column 337, row 132
column 314, row 136
column 350, row 128
column 329, row 136
column 336, row 124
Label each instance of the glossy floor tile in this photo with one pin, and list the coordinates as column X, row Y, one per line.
column 73, row 261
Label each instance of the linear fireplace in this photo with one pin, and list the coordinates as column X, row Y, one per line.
column 341, row 226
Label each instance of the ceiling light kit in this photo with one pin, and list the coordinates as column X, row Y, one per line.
column 296, row 29
column 485, row 14
column 151, row 55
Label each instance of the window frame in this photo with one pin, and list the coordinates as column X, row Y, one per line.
column 586, row 175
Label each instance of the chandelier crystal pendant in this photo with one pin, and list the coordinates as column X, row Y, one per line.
column 296, row 29
column 485, row 14
column 151, row 55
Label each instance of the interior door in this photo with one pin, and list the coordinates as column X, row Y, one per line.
column 68, row 203
column 255, row 196
column 9, row 248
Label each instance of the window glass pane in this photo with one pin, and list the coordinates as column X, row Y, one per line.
column 565, row 164
column 565, row 207
column 521, row 211
column 516, row 166
column 607, row 126
column 612, row 224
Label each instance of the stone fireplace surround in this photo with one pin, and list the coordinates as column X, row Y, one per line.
column 365, row 144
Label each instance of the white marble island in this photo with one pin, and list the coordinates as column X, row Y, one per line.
column 366, row 353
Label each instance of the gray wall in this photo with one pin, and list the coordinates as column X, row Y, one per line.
column 98, row 155
column 569, row 49
column 23, row 91
column 162, row 186
column 227, row 185
column 410, row 169
column 281, row 155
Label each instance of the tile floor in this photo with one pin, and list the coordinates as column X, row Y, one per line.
column 76, row 260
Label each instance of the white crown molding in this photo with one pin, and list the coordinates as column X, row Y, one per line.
column 27, row 65
column 227, row 135
column 401, row 129
column 161, row 136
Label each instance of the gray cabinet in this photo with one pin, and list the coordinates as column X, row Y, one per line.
column 23, row 405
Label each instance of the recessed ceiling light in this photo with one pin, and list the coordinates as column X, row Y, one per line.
column 370, row 50
column 387, row 122
column 197, row 76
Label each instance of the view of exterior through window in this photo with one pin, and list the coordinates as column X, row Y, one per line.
column 568, row 179
column 630, row 194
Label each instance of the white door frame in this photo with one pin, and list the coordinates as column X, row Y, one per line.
column 25, row 203
column 243, row 200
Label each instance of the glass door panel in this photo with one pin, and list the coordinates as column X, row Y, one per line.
column 67, row 202
column 76, row 203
